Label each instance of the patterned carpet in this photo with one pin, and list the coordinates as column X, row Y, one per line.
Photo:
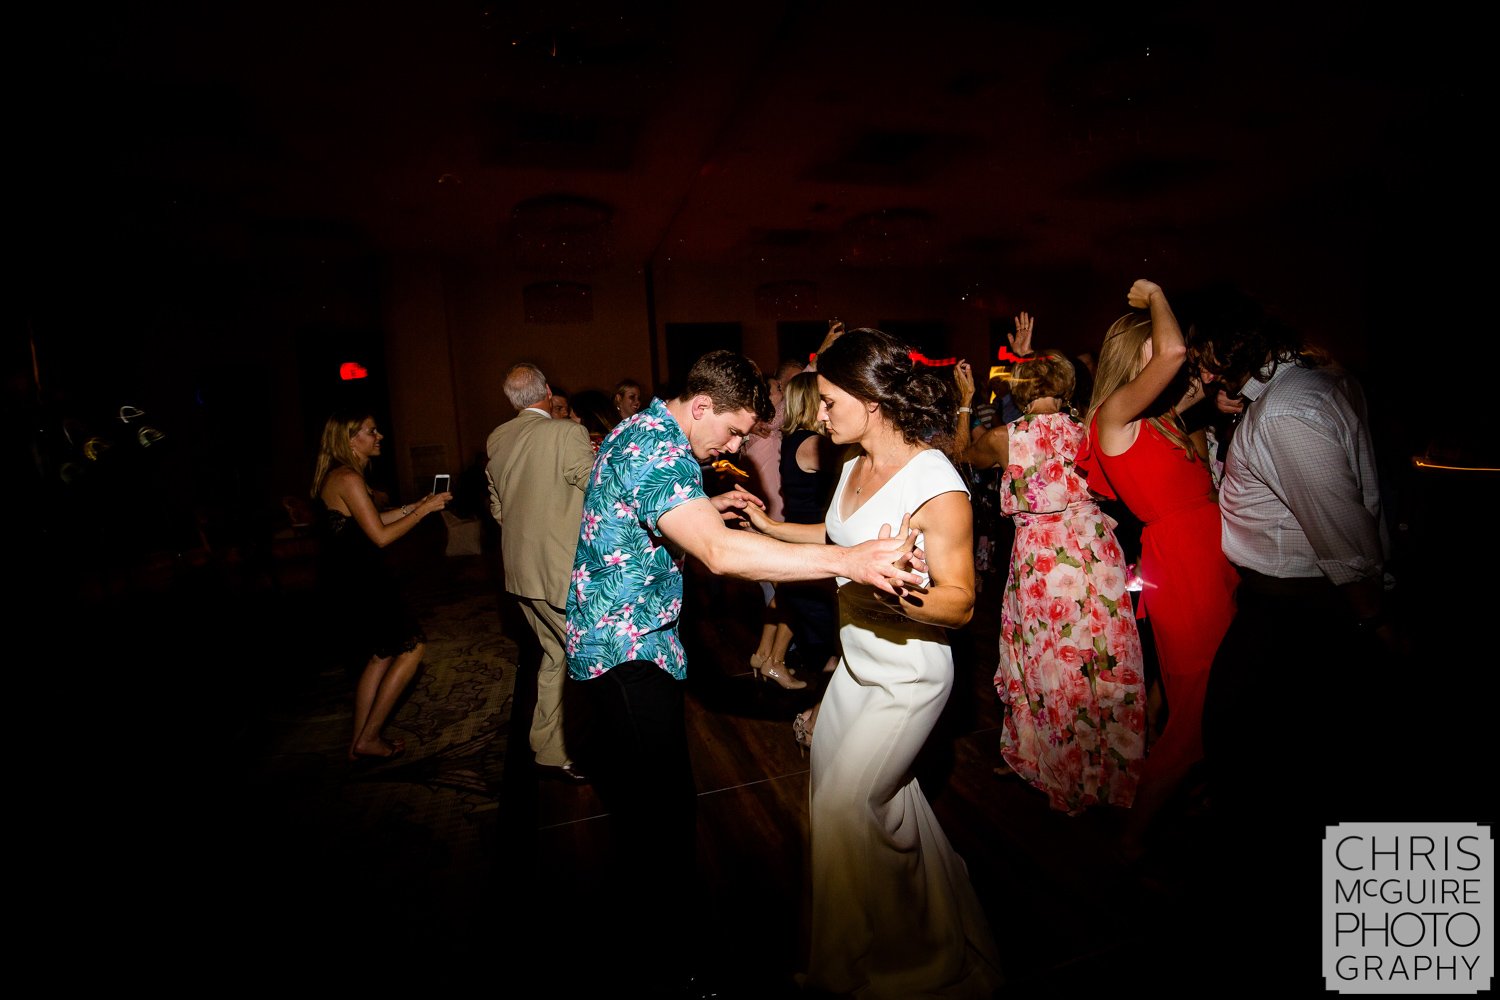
column 415, row 837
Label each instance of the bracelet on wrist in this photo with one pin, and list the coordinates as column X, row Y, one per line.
column 406, row 510
column 966, row 409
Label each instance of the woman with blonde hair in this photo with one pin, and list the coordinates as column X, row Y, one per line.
column 762, row 452
column 1071, row 671
column 1143, row 455
column 627, row 398
column 808, row 470
column 368, row 610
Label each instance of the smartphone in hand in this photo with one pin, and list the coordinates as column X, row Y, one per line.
column 440, row 483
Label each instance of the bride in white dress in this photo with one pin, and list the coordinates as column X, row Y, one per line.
column 893, row 913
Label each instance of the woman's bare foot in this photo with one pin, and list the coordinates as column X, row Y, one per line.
column 376, row 748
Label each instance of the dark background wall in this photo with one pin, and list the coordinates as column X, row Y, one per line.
column 216, row 207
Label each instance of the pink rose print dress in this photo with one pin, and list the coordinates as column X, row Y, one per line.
column 1070, row 673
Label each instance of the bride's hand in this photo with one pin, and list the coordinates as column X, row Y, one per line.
column 759, row 519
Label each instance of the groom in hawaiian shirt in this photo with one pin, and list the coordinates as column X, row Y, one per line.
column 644, row 510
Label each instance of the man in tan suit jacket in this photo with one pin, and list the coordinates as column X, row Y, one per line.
column 538, row 470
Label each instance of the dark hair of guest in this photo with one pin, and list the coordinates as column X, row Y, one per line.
column 1231, row 335
column 873, row 366
column 732, row 381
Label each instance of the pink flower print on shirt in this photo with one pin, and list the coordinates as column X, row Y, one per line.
column 591, row 526
column 632, row 450
column 635, row 633
column 580, row 579
column 623, row 509
column 650, row 423
column 680, row 491
column 1044, row 438
column 1044, row 496
column 616, row 558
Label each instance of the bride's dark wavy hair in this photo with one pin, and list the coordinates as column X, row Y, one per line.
column 873, row 366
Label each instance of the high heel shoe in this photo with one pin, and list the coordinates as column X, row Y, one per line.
column 776, row 670
column 802, row 731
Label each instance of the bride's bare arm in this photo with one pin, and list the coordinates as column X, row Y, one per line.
column 785, row 531
column 947, row 525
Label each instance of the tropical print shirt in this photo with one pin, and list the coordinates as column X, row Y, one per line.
column 626, row 592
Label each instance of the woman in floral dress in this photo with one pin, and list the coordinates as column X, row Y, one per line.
column 1070, row 673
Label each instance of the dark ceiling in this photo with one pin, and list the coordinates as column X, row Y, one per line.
column 1304, row 147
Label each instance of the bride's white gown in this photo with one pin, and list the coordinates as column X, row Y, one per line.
column 893, row 912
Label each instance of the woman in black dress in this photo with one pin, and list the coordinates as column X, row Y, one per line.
column 808, row 473
column 361, row 591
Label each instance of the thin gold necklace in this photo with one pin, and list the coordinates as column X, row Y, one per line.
column 873, row 472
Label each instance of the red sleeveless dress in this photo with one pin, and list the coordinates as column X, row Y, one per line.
column 1188, row 585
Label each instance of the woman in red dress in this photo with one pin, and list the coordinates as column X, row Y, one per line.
column 1141, row 454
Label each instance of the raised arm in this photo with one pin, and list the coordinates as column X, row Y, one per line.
column 963, row 377
column 991, row 450
column 697, row 527
column 835, row 331
column 1168, row 352
column 382, row 527
column 1020, row 341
